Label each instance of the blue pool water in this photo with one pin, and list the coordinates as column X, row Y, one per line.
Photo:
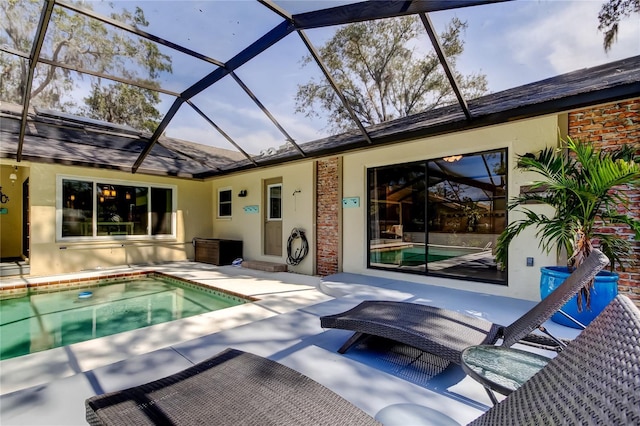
column 415, row 255
column 43, row 321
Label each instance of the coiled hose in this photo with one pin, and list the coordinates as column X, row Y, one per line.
column 301, row 252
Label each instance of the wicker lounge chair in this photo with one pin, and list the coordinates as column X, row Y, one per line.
column 595, row 380
column 232, row 388
column 447, row 333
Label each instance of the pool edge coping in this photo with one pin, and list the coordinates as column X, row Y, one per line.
column 21, row 289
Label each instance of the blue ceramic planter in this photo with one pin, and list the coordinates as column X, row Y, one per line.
column 604, row 291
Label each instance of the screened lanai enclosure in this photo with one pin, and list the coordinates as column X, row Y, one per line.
column 223, row 74
column 238, row 78
column 199, row 90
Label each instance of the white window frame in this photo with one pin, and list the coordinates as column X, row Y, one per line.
column 230, row 202
column 94, row 237
column 269, row 202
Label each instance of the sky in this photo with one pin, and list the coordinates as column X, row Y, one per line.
column 512, row 43
column 519, row 42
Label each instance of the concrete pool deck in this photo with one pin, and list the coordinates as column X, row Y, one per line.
column 49, row 388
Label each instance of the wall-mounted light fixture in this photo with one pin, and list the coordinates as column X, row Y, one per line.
column 242, row 193
column 13, row 177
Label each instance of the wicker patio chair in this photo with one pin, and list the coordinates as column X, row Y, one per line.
column 594, row 381
column 446, row 333
column 232, row 388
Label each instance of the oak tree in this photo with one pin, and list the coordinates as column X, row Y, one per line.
column 611, row 13
column 82, row 43
column 384, row 73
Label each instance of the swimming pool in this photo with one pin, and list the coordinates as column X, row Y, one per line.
column 47, row 319
column 415, row 255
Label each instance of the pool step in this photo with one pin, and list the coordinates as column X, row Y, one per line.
column 9, row 269
column 264, row 266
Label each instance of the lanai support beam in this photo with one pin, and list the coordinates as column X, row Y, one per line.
column 127, row 81
column 156, row 135
column 222, row 132
column 435, row 41
column 266, row 112
column 33, row 62
column 371, row 10
column 332, row 82
column 316, row 56
column 257, row 47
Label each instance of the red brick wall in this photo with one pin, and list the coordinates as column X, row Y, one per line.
column 609, row 126
column 328, row 216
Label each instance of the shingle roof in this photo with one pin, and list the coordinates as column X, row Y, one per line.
column 65, row 140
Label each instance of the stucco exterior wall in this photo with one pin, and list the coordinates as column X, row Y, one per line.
column 49, row 256
column 518, row 137
column 298, row 203
column 303, row 207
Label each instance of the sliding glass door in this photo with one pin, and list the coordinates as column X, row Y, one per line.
column 440, row 216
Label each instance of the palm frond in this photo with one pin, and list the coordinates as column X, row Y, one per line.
column 582, row 184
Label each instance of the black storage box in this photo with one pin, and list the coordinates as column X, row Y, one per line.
column 217, row 251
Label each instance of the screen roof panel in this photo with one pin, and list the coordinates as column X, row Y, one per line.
column 217, row 29
column 86, row 44
column 277, row 89
column 189, row 125
column 516, row 43
column 231, row 108
column 99, row 98
column 12, row 84
column 18, row 25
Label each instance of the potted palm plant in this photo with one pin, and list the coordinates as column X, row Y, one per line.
column 583, row 186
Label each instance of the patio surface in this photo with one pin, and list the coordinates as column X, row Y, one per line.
column 49, row 388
